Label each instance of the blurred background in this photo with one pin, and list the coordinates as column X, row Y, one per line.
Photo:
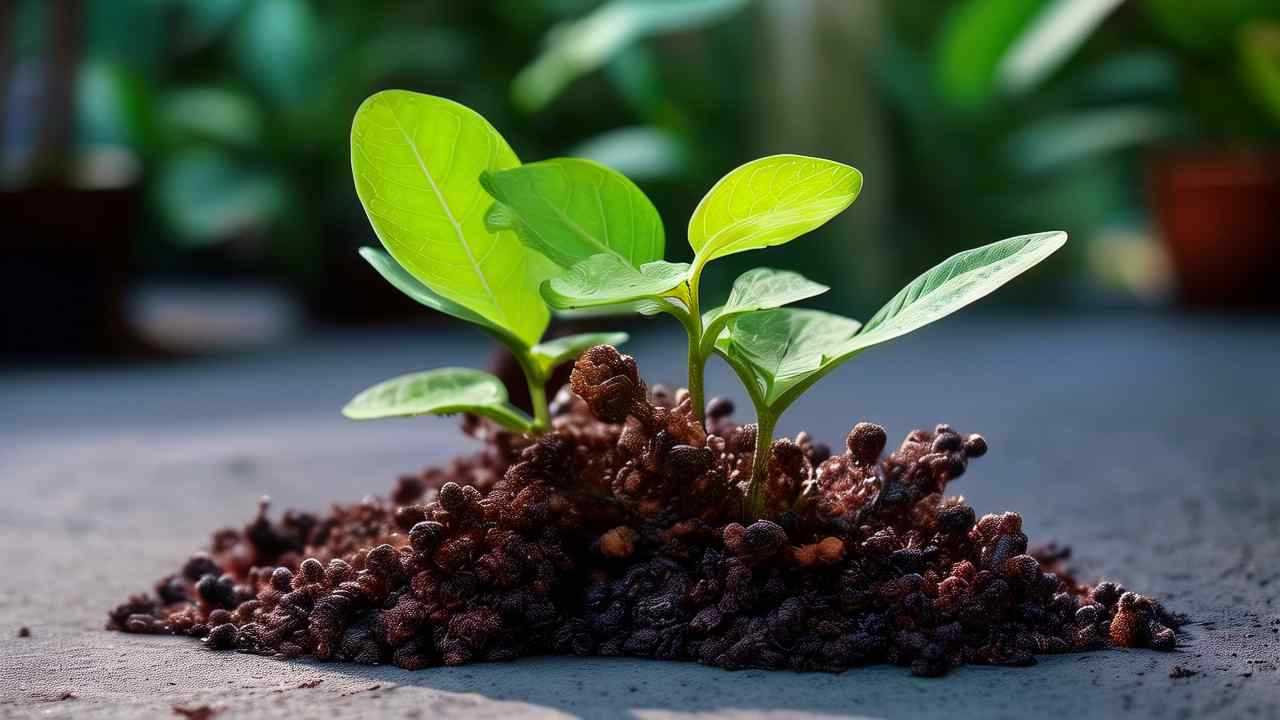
column 175, row 178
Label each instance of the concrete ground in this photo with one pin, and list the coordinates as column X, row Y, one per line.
column 1150, row 445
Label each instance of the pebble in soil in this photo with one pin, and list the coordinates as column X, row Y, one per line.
column 621, row 533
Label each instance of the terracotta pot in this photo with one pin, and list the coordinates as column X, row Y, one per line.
column 1219, row 214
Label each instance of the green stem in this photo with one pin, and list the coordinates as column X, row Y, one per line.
column 696, row 365
column 538, row 399
column 697, row 361
column 760, row 465
column 537, row 383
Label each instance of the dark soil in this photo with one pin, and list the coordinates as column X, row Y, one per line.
column 621, row 533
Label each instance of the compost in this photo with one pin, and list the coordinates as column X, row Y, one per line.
column 622, row 533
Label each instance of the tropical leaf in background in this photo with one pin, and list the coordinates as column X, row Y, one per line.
column 578, row 47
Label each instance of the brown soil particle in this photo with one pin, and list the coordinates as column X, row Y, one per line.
column 621, row 533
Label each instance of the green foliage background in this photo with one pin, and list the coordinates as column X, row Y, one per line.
column 239, row 112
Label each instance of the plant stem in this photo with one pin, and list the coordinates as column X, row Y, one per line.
column 697, row 363
column 538, row 399
column 537, row 383
column 760, row 465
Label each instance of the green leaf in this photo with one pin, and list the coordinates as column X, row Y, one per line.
column 770, row 201
column 445, row 391
column 975, row 39
column 956, row 282
column 786, row 351
column 569, row 209
column 784, row 346
column 605, row 279
column 758, row 289
column 417, row 161
column 548, row 355
column 391, row 271
column 576, row 48
column 1052, row 38
column 1259, row 50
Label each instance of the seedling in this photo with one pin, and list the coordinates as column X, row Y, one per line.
column 584, row 238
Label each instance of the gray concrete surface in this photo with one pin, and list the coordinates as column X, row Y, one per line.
column 1151, row 445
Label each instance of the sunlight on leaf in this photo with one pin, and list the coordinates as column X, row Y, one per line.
column 445, row 391
column 569, row 209
column 417, row 160
column 769, row 202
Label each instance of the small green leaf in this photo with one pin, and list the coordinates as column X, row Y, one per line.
column 569, row 209
column 787, row 350
column 606, row 279
column 785, row 345
column 768, row 202
column 445, row 391
column 957, row 281
column 552, row 353
column 417, row 161
column 758, row 289
column 391, row 271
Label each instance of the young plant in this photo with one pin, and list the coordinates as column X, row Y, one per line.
column 417, row 162
column 422, row 166
column 779, row 354
column 763, row 203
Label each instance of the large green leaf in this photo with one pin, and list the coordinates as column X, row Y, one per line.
column 552, row 353
column 445, row 391
column 770, row 201
column 605, row 279
column 787, row 350
column 417, row 161
column 569, row 209
column 758, row 289
column 400, row 278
